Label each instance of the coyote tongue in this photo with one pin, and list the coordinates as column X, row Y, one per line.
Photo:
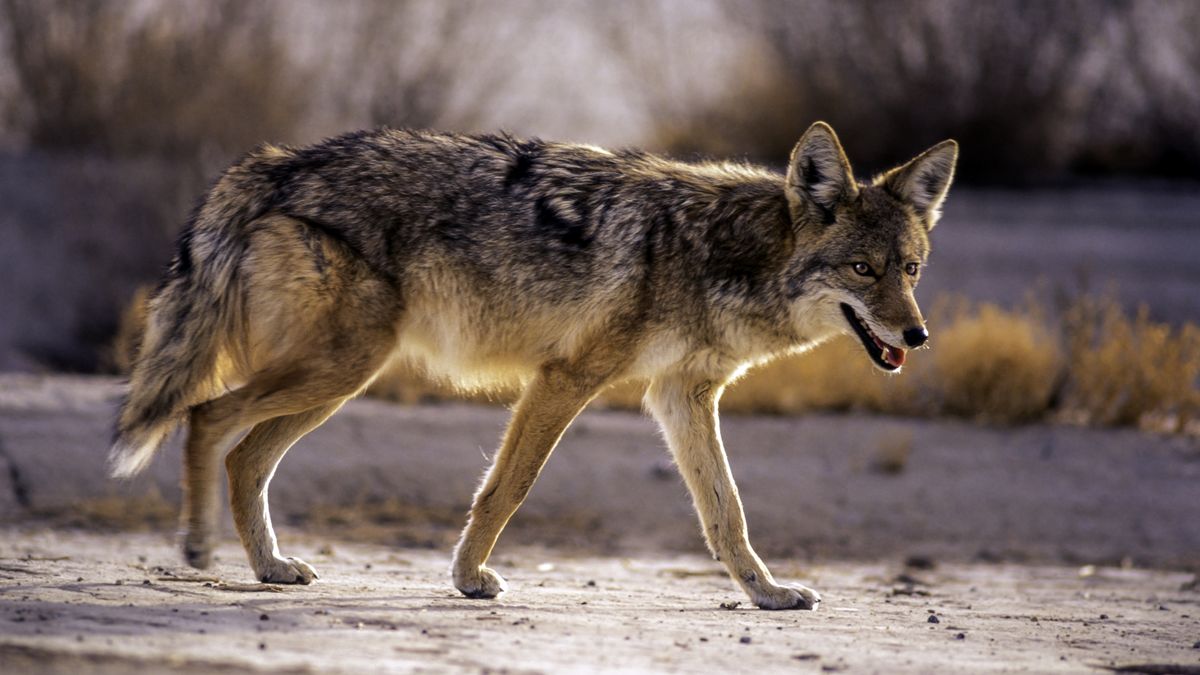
column 893, row 355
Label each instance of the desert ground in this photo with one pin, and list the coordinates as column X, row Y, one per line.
column 72, row 602
column 1037, row 549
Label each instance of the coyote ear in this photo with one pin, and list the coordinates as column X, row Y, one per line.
column 924, row 181
column 818, row 174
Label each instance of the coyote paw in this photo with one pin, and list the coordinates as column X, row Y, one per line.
column 198, row 549
column 480, row 583
column 788, row 596
column 287, row 571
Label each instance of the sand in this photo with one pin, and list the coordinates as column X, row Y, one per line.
column 72, row 602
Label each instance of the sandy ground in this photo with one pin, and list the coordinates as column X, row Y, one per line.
column 1046, row 548
column 85, row 603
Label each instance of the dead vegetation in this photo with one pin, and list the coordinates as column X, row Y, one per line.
column 1091, row 363
column 1016, row 83
column 189, row 81
column 1130, row 370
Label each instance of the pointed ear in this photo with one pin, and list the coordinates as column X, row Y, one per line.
column 923, row 182
column 818, row 176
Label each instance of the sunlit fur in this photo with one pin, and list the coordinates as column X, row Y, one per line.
column 493, row 259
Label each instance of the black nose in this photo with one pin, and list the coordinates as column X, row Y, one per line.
column 915, row 337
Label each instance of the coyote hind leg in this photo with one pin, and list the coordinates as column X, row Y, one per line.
column 251, row 466
column 318, row 324
column 201, row 506
column 278, row 408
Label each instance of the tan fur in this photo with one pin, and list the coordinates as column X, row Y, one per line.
column 492, row 260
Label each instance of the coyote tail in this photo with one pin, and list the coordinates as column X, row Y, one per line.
column 193, row 315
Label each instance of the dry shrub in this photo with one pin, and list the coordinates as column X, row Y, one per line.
column 197, row 81
column 441, row 75
column 1130, row 371
column 996, row 365
column 1015, row 83
column 725, row 126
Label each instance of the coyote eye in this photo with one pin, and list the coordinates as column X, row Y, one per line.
column 863, row 268
column 911, row 268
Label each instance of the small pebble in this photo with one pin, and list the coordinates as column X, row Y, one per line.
column 745, row 639
column 933, row 619
column 264, row 617
column 960, row 636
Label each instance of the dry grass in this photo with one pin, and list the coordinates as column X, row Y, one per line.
column 1130, row 371
column 1092, row 363
column 995, row 365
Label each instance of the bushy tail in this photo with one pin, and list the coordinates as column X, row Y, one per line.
column 192, row 318
column 172, row 372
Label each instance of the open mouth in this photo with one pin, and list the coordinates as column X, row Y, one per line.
column 882, row 354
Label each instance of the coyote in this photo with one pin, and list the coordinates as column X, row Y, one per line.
column 489, row 259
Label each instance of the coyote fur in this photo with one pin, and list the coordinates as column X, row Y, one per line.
column 489, row 259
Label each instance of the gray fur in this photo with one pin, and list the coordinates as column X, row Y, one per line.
column 491, row 258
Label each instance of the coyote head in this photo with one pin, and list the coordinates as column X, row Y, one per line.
column 862, row 245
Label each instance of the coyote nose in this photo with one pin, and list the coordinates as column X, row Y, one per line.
column 915, row 337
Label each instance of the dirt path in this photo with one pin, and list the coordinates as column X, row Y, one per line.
column 85, row 603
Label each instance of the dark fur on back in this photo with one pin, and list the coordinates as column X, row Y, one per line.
column 527, row 216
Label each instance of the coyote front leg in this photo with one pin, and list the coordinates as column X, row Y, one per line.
column 548, row 405
column 687, row 410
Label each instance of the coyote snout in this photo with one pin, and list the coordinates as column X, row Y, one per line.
column 492, row 259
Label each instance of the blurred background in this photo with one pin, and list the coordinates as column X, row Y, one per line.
column 1067, row 252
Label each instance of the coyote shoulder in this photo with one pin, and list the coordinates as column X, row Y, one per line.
column 489, row 258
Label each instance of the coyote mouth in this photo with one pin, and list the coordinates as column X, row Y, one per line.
column 882, row 354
